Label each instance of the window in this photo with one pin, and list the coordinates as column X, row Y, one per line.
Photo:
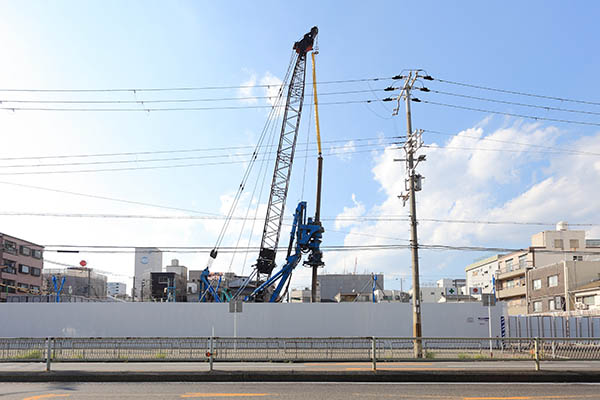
column 589, row 300
column 24, row 269
column 551, row 305
column 558, row 243
column 10, row 247
column 23, row 286
column 163, row 280
column 558, row 302
column 577, row 258
column 537, row 284
column 24, row 250
column 553, row 281
column 36, row 271
column 35, row 289
column 10, row 266
column 37, row 254
column 9, row 286
column 574, row 243
column 537, row 306
column 509, row 266
column 522, row 261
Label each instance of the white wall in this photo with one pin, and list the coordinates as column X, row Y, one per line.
column 259, row 320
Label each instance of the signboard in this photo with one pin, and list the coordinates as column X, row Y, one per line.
column 450, row 291
column 475, row 291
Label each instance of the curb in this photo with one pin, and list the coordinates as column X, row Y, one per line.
column 277, row 376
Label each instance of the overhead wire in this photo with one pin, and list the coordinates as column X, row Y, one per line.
column 506, row 113
column 563, row 99
column 183, row 88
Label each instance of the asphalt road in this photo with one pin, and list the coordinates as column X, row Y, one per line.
column 296, row 391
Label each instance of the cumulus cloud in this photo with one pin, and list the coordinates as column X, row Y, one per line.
column 246, row 91
column 480, row 174
column 345, row 218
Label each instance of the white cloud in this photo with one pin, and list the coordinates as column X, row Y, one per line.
column 344, row 219
column 345, row 151
column 247, row 90
column 488, row 177
column 274, row 85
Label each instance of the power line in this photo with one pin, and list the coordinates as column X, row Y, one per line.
column 516, row 92
column 547, row 108
column 505, row 150
column 93, row 196
column 168, row 166
column 485, row 138
column 183, row 150
column 226, row 155
column 193, row 100
column 185, row 88
column 506, row 113
column 173, row 108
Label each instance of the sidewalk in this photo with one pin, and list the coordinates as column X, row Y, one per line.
column 306, row 372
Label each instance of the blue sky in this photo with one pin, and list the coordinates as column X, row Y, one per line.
column 542, row 47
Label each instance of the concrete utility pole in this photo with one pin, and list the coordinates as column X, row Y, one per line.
column 412, row 184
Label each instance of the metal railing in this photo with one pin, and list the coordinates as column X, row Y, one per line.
column 372, row 349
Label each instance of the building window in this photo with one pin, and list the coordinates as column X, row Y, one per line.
column 551, row 305
column 509, row 266
column 558, row 302
column 36, row 271
column 34, row 289
column 537, row 284
column 37, row 254
column 522, row 261
column 10, row 267
column 24, row 269
column 537, row 306
column 24, row 250
column 558, row 243
column 163, row 280
column 589, row 300
column 577, row 258
column 23, row 286
column 574, row 243
column 553, row 281
column 8, row 286
column 10, row 247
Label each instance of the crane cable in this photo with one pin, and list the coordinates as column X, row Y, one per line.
column 271, row 117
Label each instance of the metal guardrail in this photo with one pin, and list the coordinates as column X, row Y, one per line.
column 372, row 349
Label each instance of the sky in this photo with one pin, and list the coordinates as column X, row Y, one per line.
column 480, row 166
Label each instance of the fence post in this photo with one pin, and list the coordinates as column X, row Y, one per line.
column 48, row 353
column 536, row 347
column 211, row 353
column 374, row 352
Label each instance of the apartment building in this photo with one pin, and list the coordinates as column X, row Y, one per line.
column 552, row 288
column 481, row 274
column 547, row 248
column 21, row 267
column 116, row 289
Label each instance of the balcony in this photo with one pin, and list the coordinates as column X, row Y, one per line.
column 511, row 292
column 505, row 274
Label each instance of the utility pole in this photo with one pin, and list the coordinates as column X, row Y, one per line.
column 412, row 185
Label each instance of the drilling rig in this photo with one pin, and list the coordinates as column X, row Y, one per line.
column 306, row 232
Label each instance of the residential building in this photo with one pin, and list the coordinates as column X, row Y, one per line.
column 481, row 274
column 436, row 294
column 79, row 282
column 303, row 296
column 165, row 286
column 389, row 296
column 20, row 267
column 353, row 297
column 587, row 297
column 551, row 288
column 147, row 260
column 547, row 247
column 332, row 284
column 116, row 289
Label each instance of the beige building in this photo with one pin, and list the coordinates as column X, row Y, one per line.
column 547, row 248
